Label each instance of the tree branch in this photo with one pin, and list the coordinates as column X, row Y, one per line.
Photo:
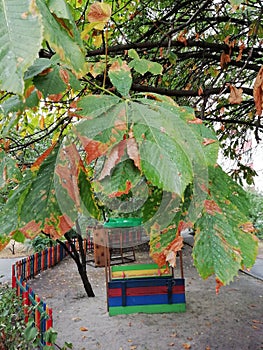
column 186, row 93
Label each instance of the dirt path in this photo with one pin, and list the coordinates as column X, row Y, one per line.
column 231, row 320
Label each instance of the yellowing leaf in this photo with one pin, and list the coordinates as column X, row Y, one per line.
column 97, row 40
column 99, row 13
column 4, row 242
column 235, row 95
column 42, row 123
column 258, row 92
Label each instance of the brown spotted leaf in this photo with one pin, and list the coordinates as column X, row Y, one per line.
column 41, row 158
column 40, row 209
column 113, row 159
column 67, row 168
column 103, row 124
column 211, row 207
column 120, row 77
column 171, row 251
column 222, row 247
column 133, row 151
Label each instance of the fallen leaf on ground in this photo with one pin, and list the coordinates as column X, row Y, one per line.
column 75, row 319
column 173, row 335
column 83, row 329
column 256, row 321
column 186, row 346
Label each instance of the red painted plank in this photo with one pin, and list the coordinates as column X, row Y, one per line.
column 116, row 292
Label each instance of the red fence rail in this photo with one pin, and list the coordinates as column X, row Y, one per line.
column 27, row 268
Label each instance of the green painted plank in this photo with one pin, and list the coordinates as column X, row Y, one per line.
column 147, row 309
column 135, row 267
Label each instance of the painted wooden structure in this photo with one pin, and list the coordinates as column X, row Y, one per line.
column 26, row 269
column 144, row 288
column 120, row 243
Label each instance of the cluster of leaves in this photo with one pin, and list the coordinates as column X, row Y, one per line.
column 14, row 332
column 41, row 242
column 12, row 326
column 256, row 203
column 102, row 75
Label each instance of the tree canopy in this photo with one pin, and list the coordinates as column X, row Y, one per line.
column 123, row 106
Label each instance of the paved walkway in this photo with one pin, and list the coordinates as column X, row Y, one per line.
column 257, row 270
column 6, row 269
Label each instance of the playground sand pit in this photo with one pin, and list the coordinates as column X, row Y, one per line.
column 230, row 320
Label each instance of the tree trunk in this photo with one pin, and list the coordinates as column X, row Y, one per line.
column 80, row 259
column 85, row 281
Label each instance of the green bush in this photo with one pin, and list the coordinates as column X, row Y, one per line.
column 13, row 330
column 41, row 242
column 14, row 333
column 256, row 203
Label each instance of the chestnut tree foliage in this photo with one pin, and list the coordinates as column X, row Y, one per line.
column 123, row 106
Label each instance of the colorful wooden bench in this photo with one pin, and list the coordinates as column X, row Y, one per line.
column 144, row 288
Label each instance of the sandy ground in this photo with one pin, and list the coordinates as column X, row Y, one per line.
column 19, row 249
column 231, row 320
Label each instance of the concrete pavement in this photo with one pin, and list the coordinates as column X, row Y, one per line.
column 257, row 270
column 6, row 269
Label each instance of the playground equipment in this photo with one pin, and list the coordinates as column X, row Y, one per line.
column 134, row 288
